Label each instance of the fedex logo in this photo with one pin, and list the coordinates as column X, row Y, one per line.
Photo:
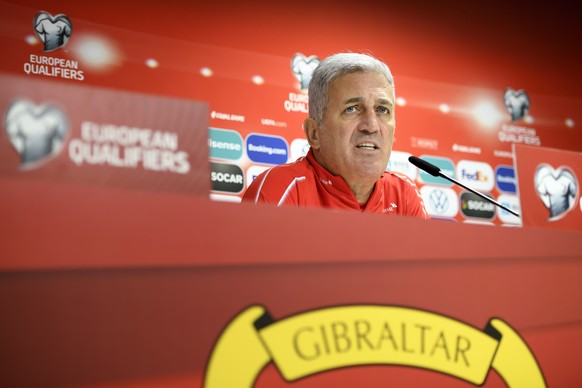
column 477, row 175
column 474, row 176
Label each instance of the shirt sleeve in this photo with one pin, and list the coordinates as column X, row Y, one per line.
column 253, row 193
column 414, row 203
column 411, row 197
column 272, row 187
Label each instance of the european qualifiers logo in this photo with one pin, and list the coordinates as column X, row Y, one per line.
column 302, row 68
column 557, row 188
column 297, row 102
column 517, row 103
column 124, row 146
column 53, row 31
column 98, row 136
column 36, row 132
column 348, row 336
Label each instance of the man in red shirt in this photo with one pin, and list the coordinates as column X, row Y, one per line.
column 350, row 130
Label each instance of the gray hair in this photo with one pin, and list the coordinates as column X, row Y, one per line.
column 335, row 66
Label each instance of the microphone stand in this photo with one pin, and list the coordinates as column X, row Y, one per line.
column 478, row 193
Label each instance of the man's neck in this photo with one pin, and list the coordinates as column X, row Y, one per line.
column 362, row 191
column 362, row 188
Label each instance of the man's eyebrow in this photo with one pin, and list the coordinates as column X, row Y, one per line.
column 352, row 100
column 384, row 101
column 381, row 101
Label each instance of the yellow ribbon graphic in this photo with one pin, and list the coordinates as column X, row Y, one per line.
column 343, row 336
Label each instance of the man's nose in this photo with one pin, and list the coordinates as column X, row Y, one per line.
column 369, row 122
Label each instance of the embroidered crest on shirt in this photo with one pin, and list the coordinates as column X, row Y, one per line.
column 391, row 208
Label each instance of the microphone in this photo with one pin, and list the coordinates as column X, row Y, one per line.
column 435, row 171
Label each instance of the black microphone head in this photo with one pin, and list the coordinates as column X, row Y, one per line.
column 424, row 165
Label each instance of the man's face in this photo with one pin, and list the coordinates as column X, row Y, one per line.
column 355, row 138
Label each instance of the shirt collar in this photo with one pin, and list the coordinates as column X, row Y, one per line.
column 337, row 186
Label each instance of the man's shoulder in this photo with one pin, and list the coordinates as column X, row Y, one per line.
column 402, row 187
column 292, row 170
column 398, row 180
column 275, row 183
column 394, row 176
column 282, row 176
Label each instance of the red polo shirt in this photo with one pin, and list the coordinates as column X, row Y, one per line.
column 306, row 183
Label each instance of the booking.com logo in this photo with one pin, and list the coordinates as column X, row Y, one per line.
column 267, row 149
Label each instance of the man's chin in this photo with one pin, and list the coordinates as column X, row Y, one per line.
column 371, row 173
column 375, row 168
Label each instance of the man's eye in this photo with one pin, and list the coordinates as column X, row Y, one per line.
column 350, row 109
column 383, row 109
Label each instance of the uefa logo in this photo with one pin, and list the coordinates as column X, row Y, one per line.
column 516, row 103
column 302, row 68
column 557, row 188
column 53, row 31
column 36, row 132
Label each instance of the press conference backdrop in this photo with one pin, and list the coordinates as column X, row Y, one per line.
column 131, row 130
column 114, row 99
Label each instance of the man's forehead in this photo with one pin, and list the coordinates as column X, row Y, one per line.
column 356, row 84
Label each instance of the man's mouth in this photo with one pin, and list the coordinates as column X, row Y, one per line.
column 368, row 146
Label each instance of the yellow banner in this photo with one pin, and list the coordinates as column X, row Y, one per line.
column 344, row 336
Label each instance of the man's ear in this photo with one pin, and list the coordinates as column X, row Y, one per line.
column 311, row 129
